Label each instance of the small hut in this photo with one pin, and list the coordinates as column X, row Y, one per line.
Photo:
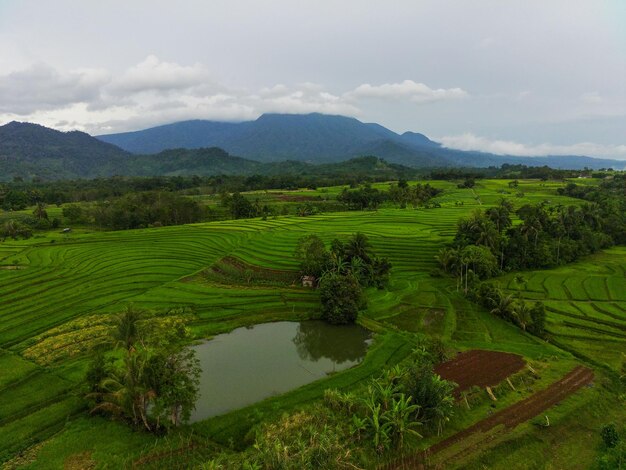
column 308, row 281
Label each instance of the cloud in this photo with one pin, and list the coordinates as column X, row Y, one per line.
column 41, row 87
column 155, row 91
column 152, row 74
column 592, row 97
column 303, row 98
column 408, row 89
column 469, row 141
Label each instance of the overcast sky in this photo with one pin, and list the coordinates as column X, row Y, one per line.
column 520, row 77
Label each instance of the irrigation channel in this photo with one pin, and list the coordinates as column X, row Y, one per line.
column 252, row 363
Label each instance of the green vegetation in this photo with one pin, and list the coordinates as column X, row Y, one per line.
column 61, row 293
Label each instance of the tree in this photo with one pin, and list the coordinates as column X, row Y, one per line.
column 521, row 314
column 40, row 211
column 358, row 247
column 73, row 213
column 239, row 206
column 341, row 297
column 538, row 319
column 155, row 382
column 126, row 331
column 504, row 307
column 14, row 229
column 173, row 377
column 313, row 257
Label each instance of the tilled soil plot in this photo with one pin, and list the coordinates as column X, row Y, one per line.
column 479, row 367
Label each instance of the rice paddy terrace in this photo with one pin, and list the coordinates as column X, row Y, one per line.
column 57, row 291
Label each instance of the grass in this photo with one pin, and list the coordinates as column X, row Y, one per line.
column 66, row 283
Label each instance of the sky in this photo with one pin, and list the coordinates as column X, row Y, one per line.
column 511, row 77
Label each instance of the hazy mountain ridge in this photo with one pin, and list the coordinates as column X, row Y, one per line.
column 322, row 138
column 272, row 144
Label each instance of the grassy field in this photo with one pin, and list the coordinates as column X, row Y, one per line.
column 57, row 290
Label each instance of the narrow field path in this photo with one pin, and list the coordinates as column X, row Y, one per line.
column 509, row 418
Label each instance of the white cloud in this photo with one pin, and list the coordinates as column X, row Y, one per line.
column 41, row 87
column 592, row 97
column 156, row 92
column 469, row 141
column 408, row 89
column 304, row 98
column 152, row 74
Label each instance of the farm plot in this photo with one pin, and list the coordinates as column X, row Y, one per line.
column 480, row 368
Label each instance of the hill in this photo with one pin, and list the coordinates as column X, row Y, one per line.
column 30, row 150
column 27, row 149
column 320, row 138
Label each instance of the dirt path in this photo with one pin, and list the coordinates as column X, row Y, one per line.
column 510, row 417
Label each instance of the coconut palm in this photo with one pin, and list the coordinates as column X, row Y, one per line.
column 504, row 306
column 358, row 246
column 126, row 331
column 521, row 314
column 125, row 393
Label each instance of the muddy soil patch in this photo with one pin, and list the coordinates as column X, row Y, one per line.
column 480, row 368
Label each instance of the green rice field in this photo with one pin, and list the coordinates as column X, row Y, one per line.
column 56, row 291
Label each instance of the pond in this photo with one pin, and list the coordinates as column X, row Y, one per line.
column 252, row 363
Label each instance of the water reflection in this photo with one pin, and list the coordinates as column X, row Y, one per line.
column 316, row 340
column 253, row 363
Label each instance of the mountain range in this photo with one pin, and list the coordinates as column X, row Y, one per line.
column 262, row 146
column 318, row 138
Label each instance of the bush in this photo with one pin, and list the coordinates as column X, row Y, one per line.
column 610, row 436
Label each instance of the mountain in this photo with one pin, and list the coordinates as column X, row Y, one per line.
column 315, row 138
column 302, row 137
column 320, row 138
column 31, row 149
column 273, row 144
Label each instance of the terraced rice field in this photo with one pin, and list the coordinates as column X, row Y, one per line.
column 586, row 305
column 61, row 281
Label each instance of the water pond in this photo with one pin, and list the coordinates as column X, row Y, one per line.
column 252, row 363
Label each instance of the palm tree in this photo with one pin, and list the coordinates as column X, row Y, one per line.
column 591, row 215
column 126, row 331
column 356, row 267
column 503, row 306
column 358, row 246
column 125, row 393
column 499, row 215
column 532, row 227
column 445, row 258
column 521, row 314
